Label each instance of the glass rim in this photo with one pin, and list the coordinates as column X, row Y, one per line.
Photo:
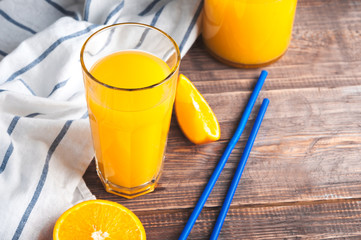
column 169, row 76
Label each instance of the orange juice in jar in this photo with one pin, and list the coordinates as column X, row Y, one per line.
column 248, row 33
column 130, row 75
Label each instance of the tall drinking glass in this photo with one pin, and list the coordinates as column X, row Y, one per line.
column 130, row 75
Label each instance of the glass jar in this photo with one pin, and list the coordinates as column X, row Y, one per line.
column 248, row 33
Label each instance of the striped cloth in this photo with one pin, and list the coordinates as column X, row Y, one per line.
column 45, row 144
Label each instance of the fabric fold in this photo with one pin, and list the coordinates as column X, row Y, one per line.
column 45, row 141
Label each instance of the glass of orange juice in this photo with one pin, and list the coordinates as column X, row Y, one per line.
column 248, row 33
column 130, row 75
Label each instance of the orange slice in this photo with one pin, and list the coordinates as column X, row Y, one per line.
column 194, row 115
column 98, row 220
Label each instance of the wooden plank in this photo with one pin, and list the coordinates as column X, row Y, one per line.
column 308, row 147
column 315, row 220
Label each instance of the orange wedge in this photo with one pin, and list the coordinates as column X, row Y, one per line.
column 98, row 220
column 195, row 117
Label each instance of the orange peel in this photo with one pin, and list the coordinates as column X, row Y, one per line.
column 195, row 117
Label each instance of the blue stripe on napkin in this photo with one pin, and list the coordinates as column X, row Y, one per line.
column 57, row 86
column 27, row 86
column 42, row 180
column 191, row 26
column 86, row 10
column 10, row 149
column 13, row 124
column 145, row 33
column 3, row 53
column 114, row 11
column 49, row 50
column 148, row 8
column 156, row 17
column 16, row 23
column 63, row 10
column 8, row 153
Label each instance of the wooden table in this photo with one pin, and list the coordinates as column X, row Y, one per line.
column 303, row 176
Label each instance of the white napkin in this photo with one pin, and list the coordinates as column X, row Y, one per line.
column 45, row 142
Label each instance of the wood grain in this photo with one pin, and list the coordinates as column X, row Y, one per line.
column 315, row 220
column 303, row 176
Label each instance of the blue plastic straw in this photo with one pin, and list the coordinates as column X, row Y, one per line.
column 222, row 162
column 239, row 170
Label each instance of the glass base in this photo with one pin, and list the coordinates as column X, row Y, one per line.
column 242, row 65
column 128, row 193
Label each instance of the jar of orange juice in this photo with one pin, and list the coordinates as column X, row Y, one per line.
column 248, row 33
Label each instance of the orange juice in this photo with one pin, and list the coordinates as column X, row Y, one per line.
column 248, row 33
column 129, row 119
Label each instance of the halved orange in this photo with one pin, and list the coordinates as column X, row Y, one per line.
column 98, row 220
column 195, row 117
